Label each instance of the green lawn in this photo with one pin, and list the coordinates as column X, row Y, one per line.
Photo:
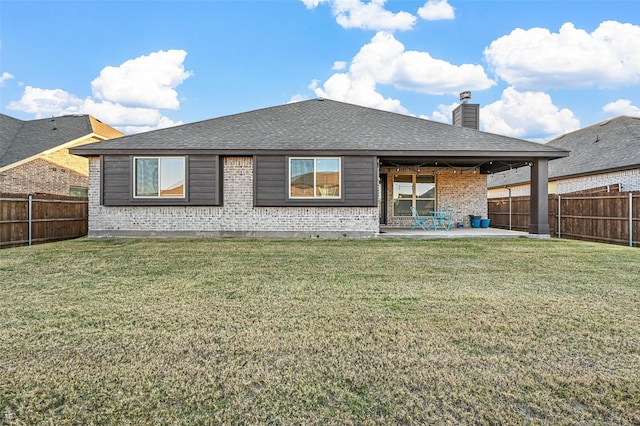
column 505, row 331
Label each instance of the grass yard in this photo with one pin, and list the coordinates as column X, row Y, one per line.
column 228, row 331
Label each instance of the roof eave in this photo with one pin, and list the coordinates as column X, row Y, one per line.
column 96, row 150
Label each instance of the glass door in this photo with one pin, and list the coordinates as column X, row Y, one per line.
column 382, row 198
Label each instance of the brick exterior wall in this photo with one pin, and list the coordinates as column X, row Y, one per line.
column 41, row 176
column 52, row 173
column 566, row 186
column 516, row 191
column 466, row 192
column 631, row 177
column 237, row 217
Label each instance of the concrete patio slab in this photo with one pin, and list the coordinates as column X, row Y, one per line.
column 455, row 233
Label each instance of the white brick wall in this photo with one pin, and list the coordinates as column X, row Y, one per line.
column 238, row 216
column 516, row 191
column 566, row 186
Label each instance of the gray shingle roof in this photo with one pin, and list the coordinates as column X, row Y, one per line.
column 604, row 147
column 22, row 139
column 322, row 125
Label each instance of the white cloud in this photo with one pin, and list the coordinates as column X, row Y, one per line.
column 621, row 107
column 339, row 65
column 126, row 119
column 313, row 3
column 385, row 61
column 148, row 81
column 116, row 114
column 128, row 97
column 361, row 91
column 44, row 102
column 369, row 16
column 56, row 102
column 536, row 58
column 435, row 10
column 162, row 124
column 443, row 113
column 297, row 98
column 4, row 77
column 527, row 113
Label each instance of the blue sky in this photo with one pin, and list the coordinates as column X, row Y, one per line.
column 537, row 68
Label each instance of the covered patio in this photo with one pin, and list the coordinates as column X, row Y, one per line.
column 427, row 183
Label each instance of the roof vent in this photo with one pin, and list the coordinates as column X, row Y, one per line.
column 465, row 96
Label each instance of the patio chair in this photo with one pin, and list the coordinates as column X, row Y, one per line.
column 423, row 222
column 446, row 219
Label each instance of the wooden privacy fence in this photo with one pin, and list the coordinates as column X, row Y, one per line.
column 38, row 218
column 605, row 215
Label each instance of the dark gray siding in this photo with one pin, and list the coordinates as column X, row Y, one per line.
column 116, row 181
column 269, row 183
column 467, row 115
column 203, row 182
column 359, row 183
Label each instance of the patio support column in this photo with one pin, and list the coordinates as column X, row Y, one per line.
column 539, row 214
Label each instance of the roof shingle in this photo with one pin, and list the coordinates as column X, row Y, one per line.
column 23, row 139
column 321, row 125
column 604, row 147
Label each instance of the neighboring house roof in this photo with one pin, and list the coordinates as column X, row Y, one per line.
column 608, row 146
column 21, row 140
column 322, row 125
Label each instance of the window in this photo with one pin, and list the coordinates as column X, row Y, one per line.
column 314, row 178
column 416, row 191
column 159, row 177
column 78, row 191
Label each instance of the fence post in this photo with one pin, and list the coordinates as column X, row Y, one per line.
column 559, row 217
column 30, row 217
column 630, row 219
column 509, row 208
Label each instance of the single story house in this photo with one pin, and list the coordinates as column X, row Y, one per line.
column 607, row 153
column 317, row 168
column 34, row 154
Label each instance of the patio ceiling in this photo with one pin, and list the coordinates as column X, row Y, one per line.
column 483, row 165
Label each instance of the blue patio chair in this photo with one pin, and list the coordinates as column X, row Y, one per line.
column 446, row 219
column 422, row 222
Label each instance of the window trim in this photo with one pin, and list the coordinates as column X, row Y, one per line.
column 316, row 197
column 159, row 196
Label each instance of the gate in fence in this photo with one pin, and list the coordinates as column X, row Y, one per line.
column 39, row 218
